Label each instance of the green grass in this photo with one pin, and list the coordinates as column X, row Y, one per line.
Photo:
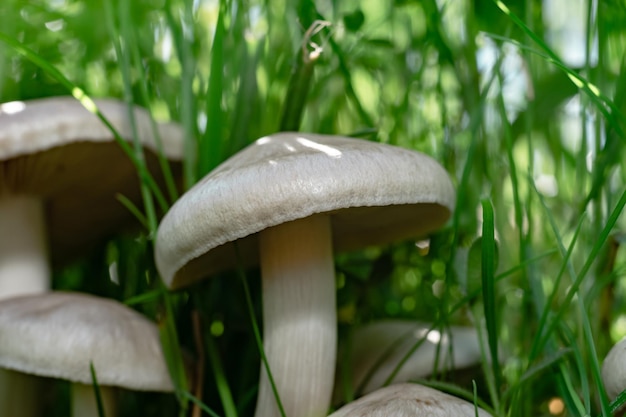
column 530, row 266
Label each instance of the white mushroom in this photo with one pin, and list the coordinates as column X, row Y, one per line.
column 59, row 335
column 375, row 350
column 289, row 201
column 409, row 400
column 613, row 370
column 60, row 171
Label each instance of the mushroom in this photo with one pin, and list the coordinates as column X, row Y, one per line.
column 289, row 201
column 613, row 367
column 59, row 335
column 409, row 400
column 376, row 349
column 60, row 169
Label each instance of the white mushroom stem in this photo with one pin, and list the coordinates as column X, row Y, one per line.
column 299, row 317
column 24, row 267
column 84, row 401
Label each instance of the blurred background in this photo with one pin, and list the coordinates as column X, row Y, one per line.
column 521, row 101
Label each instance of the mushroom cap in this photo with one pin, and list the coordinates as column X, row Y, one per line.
column 374, row 194
column 381, row 345
column 59, row 334
column 57, row 150
column 28, row 127
column 614, row 370
column 409, row 400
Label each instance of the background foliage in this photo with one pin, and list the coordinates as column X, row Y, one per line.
column 521, row 101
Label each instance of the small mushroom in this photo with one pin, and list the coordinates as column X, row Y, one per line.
column 60, row 171
column 289, row 201
column 375, row 349
column 409, row 400
column 59, row 335
column 613, row 370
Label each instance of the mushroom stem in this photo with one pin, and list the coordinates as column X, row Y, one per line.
column 299, row 317
column 84, row 401
column 24, row 267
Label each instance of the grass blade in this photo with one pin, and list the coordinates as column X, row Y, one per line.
column 488, row 246
column 300, row 80
column 96, row 390
column 210, row 147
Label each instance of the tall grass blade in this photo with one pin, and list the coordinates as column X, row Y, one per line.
column 618, row 402
column 124, row 60
column 210, row 152
column 257, row 336
column 300, row 81
column 96, row 390
column 171, row 349
column 132, row 44
column 230, row 410
column 593, row 254
column 488, row 247
column 183, row 45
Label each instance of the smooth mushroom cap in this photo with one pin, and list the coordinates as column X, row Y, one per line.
column 379, row 346
column 409, row 400
column 56, row 150
column 374, row 194
column 614, row 370
column 32, row 126
column 59, row 334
